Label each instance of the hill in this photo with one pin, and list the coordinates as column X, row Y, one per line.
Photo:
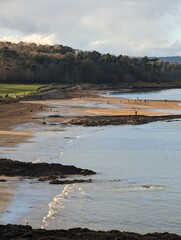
column 32, row 63
column 173, row 59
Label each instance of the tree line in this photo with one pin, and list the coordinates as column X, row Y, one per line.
column 32, row 63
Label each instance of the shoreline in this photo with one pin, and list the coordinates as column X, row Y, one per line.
column 80, row 103
column 12, row 115
column 74, row 111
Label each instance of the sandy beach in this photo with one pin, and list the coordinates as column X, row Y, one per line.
column 24, row 112
column 113, row 106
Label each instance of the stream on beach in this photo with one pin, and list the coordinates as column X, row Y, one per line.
column 137, row 186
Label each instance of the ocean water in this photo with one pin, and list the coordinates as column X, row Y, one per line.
column 136, row 188
column 165, row 94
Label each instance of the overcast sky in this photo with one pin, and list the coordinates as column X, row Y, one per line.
column 128, row 27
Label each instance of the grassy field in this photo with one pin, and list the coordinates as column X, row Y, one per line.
column 14, row 90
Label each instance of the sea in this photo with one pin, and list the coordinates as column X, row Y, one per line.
column 137, row 187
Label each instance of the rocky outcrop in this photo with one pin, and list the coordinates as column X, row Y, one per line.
column 3, row 180
column 27, row 169
column 19, row 232
column 119, row 120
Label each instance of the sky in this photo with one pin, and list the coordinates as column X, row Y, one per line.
column 127, row 27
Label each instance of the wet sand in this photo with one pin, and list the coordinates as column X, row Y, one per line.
column 88, row 106
column 128, row 107
column 5, row 196
column 14, row 114
column 24, row 112
column 6, row 192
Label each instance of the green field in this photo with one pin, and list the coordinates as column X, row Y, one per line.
column 13, row 90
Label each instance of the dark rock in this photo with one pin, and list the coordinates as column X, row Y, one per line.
column 119, row 120
column 43, row 179
column 146, row 186
column 70, row 181
column 27, row 169
column 85, row 172
column 3, row 180
column 62, row 177
column 48, row 178
column 54, row 116
column 18, row 232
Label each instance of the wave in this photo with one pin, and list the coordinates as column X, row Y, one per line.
column 139, row 188
column 153, row 187
column 36, row 161
column 58, row 203
column 61, row 152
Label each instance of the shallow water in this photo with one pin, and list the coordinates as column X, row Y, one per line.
column 137, row 187
column 72, row 107
column 166, row 94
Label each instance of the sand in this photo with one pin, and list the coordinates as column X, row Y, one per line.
column 24, row 112
column 14, row 114
column 113, row 106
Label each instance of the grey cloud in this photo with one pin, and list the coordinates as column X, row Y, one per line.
column 133, row 27
column 19, row 24
column 173, row 49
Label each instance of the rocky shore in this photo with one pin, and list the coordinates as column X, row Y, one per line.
column 28, row 169
column 20, row 232
column 119, row 120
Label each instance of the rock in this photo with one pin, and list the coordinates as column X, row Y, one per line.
column 85, row 172
column 3, row 180
column 54, row 116
column 118, row 120
column 18, row 232
column 43, row 179
column 70, row 181
column 27, row 169
column 48, row 178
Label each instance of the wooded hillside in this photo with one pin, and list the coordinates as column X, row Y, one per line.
column 32, row 63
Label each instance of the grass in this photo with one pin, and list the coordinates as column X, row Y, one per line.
column 14, row 90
